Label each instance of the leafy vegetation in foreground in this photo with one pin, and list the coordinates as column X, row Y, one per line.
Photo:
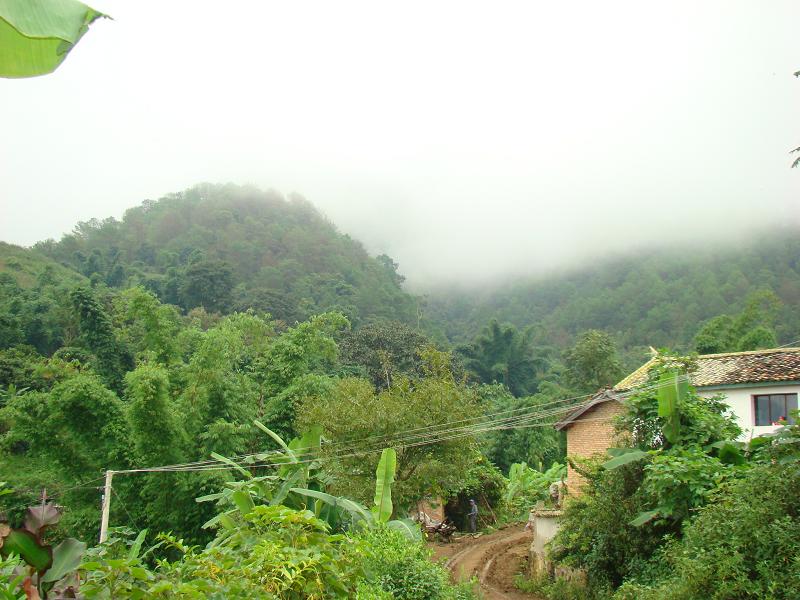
column 687, row 512
column 121, row 347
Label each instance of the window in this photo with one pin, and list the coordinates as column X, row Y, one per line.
column 770, row 408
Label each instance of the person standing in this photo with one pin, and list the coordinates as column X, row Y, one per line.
column 473, row 516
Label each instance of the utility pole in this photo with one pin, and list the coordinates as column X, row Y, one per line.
column 106, row 507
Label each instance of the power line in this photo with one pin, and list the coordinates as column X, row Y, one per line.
column 403, row 441
column 404, row 438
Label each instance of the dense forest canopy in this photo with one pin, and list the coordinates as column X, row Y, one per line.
column 224, row 248
column 227, row 247
column 657, row 299
column 223, row 320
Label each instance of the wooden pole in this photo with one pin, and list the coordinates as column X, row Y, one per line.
column 106, row 507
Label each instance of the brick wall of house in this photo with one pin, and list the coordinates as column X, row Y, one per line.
column 593, row 433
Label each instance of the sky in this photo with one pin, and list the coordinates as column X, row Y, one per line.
column 471, row 141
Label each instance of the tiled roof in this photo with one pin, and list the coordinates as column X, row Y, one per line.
column 758, row 366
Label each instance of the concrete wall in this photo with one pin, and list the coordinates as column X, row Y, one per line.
column 544, row 524
column 593, row 433
column 740, row 399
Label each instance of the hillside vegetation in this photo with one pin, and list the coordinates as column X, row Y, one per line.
column 657, row 299
column 227, row 247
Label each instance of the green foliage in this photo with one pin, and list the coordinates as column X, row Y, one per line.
column 35, row 38
column 97, row 335
column 80, row 425
column 404, row 570
column 592, row 363
column 384, row 350
column 560, row 588
column 596, row 533
column 207, row 284
column 353, row 412
column 654, row 299
column 526, row 487
column 541, row 446
column 271, row 552
column 157, row 435
column 384, row 479
column 751, row 329
column 744, row 544
column 643, row 496
column 503, row 354
column 150, row 328
column 235, row 247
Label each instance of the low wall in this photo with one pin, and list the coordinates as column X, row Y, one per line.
column 544, row 525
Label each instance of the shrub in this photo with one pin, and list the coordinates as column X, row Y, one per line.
column 403, row 568
column 596, row 534
column 745, row 544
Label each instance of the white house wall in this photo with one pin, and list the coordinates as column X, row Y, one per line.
column 741, row 402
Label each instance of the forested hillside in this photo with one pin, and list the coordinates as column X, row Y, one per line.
column 227, row 247
column 648, row 299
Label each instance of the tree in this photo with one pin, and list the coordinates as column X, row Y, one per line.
column 751, row 329
column 592, row 363
column 97, row 335
column 356, row 417
column 384, row 349
column 297, row 366
column 208, row 284
column 504, row 354
column 539, row 447
column 80, row 425
column 155, row 430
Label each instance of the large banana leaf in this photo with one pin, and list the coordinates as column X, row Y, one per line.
column 66, row 558
column 37, row 35
column 628, row 456
column 358, row 512
column 384, row 478
column 24, row 544
column 408, row 527
column 671, row 392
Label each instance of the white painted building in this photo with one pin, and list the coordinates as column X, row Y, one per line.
column 761, row 387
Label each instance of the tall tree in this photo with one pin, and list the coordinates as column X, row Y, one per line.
column 208, row 284
column 592, row 363
column 384, row 349
column 504, row 354
column 353, row 415
column 97, row 335
column 751, row 329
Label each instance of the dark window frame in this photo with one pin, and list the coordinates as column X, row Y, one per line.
column 768, row 399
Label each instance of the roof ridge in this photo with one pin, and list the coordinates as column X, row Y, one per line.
column 748, row 353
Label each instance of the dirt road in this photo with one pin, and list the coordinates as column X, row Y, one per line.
column 495, row 559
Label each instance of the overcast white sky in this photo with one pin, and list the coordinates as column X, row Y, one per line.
column 466, row 139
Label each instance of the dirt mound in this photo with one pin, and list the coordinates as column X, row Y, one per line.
column 495, row 559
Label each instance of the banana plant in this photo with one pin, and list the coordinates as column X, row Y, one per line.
column 49, row 572
column 382, row 509
column 37, row 35
column 298, row 467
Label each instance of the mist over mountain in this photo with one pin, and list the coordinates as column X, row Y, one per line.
column 227, row 248
column 653, row 298
column 232, row 248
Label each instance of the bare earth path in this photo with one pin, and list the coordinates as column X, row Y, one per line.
column 494, row 559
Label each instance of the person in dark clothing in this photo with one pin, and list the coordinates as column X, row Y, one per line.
column 473, row 516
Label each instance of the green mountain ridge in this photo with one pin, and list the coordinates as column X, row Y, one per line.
column 229, row 248
column 658, row 298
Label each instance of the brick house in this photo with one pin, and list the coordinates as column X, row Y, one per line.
column 760, row 387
